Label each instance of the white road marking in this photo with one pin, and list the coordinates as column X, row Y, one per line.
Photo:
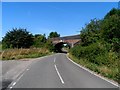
column 54, row 60
column 11, row 87
column 59, row 75
column 92, row 72
column 13, row 83
column 19, row 78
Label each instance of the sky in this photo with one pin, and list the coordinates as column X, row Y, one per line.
column 66, row 18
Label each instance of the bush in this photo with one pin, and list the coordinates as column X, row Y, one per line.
column 98, row 57
column 17, row 38
column 49, row 45
column 97, row 53
column 39, row 40
column 100, row 45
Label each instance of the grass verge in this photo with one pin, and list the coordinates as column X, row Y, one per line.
column 109, row 72
column 15, row 54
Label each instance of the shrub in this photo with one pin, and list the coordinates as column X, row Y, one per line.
column 49, row 45
column 17, row 38
column 97, row 53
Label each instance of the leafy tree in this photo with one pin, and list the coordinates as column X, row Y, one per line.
column 17, row 38
column 39, row 40
column 112, row 12
column 53, row 34
column 90, row 33
column 100, row 44
column 111, row 27
column 110, row 31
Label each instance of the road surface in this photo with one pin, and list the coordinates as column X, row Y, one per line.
column 56, row 71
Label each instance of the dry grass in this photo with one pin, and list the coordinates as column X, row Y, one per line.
column 0, row 46
column 11, row 54
column 105, row 69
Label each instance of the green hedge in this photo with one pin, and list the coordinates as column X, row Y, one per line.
column 98, row 57
column 98, row 53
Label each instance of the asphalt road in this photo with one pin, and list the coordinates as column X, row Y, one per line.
column 57, row 71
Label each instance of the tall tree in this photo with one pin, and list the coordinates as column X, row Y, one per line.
column 112, row 12
column 53, row 34
column 111, row 29
column 90, row 33
column 17, row 38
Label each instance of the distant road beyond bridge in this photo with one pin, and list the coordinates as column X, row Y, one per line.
column 70, row 40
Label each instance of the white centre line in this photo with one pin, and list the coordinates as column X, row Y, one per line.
column 59, row 74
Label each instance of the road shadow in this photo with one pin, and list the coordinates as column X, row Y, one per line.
column 6, row 83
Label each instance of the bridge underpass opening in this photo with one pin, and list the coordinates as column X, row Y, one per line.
column 62, row 47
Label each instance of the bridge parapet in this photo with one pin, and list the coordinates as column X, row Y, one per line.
column 72, row 40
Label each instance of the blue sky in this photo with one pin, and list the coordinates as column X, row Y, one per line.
column 43, row 17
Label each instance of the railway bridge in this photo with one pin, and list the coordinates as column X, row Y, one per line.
column 70, row 40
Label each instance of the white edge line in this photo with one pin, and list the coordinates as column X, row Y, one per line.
column 11, row 87
column 59, row 74
column 19, row 78
column 92, row 72
column 14, row 83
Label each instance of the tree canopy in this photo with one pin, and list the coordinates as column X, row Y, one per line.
column 17, row 38
column 39, row 40
column 106, row 29
column 100, row 45
column 112, row 12
column 90, row 33
column 53, row 34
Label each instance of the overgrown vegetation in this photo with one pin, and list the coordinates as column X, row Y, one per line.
column 17, row 38
column 15, row 54
column 0, row 47
column 19, row 43
column 100, row 46
column 99, row 49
